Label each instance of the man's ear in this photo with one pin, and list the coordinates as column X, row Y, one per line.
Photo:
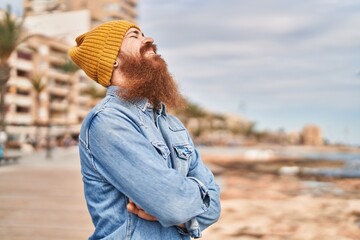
column 116, row 63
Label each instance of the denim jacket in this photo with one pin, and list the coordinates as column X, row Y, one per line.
column 129, row 151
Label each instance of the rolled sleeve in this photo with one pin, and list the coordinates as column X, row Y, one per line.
column 192, row 226
column 210, row 195
column 204, row 193
column 192, row 229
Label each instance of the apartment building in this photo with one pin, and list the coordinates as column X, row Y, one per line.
column 100, row 11
column 57, row 105
column 64, row 102
column 61, row 103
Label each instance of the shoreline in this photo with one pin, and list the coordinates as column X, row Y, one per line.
column 304, row 148
column 260, row 202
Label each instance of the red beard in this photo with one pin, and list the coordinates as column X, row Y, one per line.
column 148, row 77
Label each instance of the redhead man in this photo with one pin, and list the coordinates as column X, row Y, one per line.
column 143, row 177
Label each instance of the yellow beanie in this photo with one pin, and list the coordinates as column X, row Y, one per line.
column 97, row 50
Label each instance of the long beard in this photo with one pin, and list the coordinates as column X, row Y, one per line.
column 148, row 77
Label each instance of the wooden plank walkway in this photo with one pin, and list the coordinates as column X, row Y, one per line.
column 43, row 199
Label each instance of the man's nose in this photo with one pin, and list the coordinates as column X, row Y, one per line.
column 147, row 40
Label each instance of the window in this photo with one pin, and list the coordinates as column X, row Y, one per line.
column 22, row 73
column 24, row 55
column 22, row 92
column 20, row 109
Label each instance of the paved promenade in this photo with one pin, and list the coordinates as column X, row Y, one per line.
column 43, row 199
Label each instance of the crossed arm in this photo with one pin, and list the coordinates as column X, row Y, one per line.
column 122, row 164
column 135, row 209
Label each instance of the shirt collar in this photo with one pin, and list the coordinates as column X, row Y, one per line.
column 142, row 104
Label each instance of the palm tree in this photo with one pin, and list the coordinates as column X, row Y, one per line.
column 10, row 37
column 38, row 85
column 94, row 92
column 70, row 68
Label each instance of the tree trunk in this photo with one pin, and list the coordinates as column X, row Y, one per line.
column 37, row 122
column 4, row 77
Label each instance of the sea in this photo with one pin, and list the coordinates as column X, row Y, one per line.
column 350, row 159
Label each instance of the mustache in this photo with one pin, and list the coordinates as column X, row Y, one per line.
column 147, row 47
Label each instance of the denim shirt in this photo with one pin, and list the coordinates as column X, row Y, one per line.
column 129, row 151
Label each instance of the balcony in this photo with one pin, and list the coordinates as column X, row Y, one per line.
column 59, row 75
column 24, row 101
column 19, row 118
column 58, row 120
column 57, row 58
column 23, row 64
column 59, row 91
column 59, row 106
column 20, row 82
column 133, row 3
column 129, row 9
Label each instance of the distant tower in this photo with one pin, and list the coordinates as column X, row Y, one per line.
column 311, row 135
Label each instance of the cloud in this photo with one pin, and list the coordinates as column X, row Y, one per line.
column 274, row 54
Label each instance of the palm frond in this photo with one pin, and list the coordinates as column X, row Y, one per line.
column 69, row 66
column 10, row 34
column 37, row 83
column 94, row 92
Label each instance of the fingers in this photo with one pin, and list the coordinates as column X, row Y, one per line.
column 134, row 209
column 144, row 215
column 131, row 207
column 131, row 202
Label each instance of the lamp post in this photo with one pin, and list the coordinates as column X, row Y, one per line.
column 48, row 131
column 48, row 142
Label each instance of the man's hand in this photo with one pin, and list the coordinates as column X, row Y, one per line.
column 134, row 209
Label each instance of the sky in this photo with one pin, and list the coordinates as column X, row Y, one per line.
column 281, row 64
column 16, row 6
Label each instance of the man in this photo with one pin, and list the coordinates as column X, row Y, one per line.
column 143, row 177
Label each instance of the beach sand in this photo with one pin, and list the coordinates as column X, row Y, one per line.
column 266, row 205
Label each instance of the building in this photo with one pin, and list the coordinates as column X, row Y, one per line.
column 58, row 103
column 66, row 99
column 36, row 7
column 62, row 26
column 311, row 135
column 100, row 11
column 43, row 57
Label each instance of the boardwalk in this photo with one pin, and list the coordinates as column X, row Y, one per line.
column 43, row 199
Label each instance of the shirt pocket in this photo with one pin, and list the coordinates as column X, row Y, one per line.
column 183, row 151
column 161, row 148
column 183, row 154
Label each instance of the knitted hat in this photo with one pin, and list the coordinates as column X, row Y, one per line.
column 97, row 50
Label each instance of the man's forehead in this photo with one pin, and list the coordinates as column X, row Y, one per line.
column 134, row 31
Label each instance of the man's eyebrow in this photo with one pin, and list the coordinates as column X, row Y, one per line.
column 135, row 32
